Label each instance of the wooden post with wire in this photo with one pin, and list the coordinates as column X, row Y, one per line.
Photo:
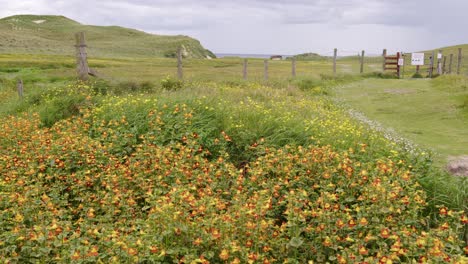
column 293, row 67
column 431, row 64
column 20, row 88
column 439, row 62
column 180, row 73
column 81, row 57
column 265, row 70
column 444, row 63
column 459, row 60
column 384, row 54
column 450, row 64
column 335, row 54
column 362, row 62
column 244, row 73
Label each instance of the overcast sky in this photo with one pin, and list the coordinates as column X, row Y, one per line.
column 276, row 26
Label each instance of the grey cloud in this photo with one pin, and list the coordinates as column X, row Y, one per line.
column 231, row 24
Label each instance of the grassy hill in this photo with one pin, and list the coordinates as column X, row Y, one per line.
column 308, row 57
column 451, row 50
column 34, row 34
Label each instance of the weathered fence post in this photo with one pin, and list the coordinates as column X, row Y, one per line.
column 459, row 60
column 335, row 54
column 439, row 62
column 450, row 64
column 384, row 54
column 244, row 73
column 444, row 64
column 20, row 88
column 180, row 73
column 265, row 72
column 362, row 62
column 81, row 56
column 431, row 64
column 293, row 65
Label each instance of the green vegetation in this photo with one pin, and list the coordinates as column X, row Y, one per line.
column 138, row 166
column 31, row 34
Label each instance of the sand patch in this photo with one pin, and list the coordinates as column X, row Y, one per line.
column 39, row 21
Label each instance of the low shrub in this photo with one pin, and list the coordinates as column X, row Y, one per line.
column 171, row 84
column 61, row 108
column 128, row 87
column 311, row 85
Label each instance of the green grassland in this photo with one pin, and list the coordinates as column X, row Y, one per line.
column 219, row 171
column 431, row 113
column 138, row 166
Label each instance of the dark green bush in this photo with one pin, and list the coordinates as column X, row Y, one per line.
column 60, row 108
column 307, row 84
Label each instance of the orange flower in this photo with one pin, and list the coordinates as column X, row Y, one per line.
column 464, row 219
column 224, row 255
column 132, row 251
column 93, row 252
column 363, row 250
column 363, row 221
column 340, row 223
column 384, row 233
column 154, row 249
column 385, row 260
column 76, row 255
column 443, row 211
column 197, row 241
column 327, row 242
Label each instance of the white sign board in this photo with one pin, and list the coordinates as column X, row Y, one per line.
column 417, row 59
column 439, row 55
column 401, row 62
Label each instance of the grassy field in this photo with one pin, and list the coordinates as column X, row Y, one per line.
column 431, row 113
column 138, row 166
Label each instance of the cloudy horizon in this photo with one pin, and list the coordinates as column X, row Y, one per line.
column 275, row 26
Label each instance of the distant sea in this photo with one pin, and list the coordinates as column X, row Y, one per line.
column 259, row 56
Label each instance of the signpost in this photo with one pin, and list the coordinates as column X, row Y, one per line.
column 417, row 59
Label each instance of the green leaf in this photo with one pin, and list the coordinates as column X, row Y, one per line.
column 296, row 242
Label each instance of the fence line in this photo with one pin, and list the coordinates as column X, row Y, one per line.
column 354, row 64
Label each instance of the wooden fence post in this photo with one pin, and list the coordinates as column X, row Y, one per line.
column 20, row 88
column 293, row 67
column 439, row 62
column 335, row 54
column 81, row 57
column 431, row 64
column 362, row 62
column 444, row 64
column 459, row 60
column 450, row 64
column 180, row 73
column 265, row 72
column 384, row 54
column 244, row 72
